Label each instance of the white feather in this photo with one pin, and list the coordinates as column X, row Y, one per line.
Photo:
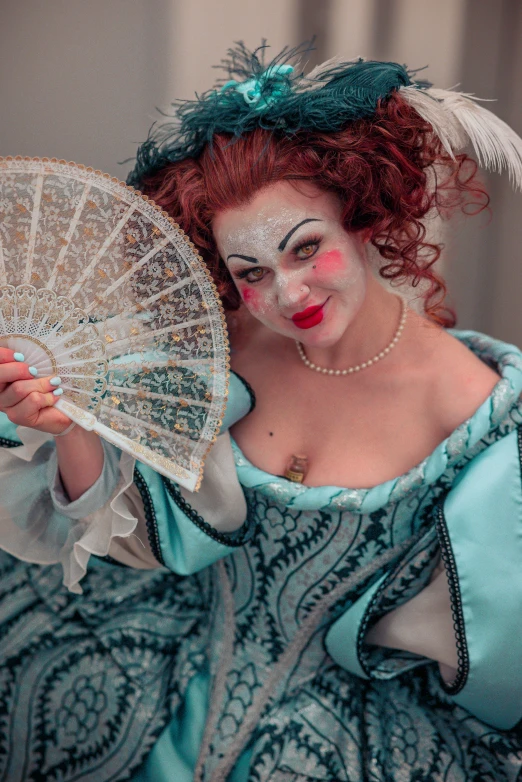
column 445, row 125
column 458, row 119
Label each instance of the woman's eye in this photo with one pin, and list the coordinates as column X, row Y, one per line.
column 307, row 250
column 252, row 275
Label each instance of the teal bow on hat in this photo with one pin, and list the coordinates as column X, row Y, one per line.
column 261, row 91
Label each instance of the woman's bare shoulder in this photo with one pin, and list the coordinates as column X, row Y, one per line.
column 461, row 381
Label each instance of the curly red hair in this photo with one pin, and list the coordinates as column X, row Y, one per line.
column 389, row 171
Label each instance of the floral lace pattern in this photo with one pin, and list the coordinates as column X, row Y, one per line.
column 78, row 247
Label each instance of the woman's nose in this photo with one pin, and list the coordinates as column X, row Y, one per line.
column 291, row 293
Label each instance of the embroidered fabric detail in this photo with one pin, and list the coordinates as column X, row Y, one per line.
column 411, row 574
column 93, row 679
column 278, row 674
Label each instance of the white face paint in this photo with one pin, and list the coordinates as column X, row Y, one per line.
column 297, row 270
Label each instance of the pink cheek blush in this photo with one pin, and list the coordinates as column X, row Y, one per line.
column 250, row 298
column 330, row 264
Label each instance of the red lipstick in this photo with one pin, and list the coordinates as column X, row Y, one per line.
column 309, row 317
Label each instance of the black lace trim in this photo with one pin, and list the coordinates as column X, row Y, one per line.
column 5, row 443
column 448, row 560
column 456, row 610
column 362, row 654
column 236, row 538
column 110, row 560
column 150, row 516
column 250, row 390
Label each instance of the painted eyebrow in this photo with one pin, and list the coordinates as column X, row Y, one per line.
column 284, row 242
column 244, row 258
column 294, row 229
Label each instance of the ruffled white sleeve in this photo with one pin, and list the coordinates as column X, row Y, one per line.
column 178, row 529
column 181, row 530
column 37, row 522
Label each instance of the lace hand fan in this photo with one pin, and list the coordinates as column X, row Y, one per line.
column 100, row 287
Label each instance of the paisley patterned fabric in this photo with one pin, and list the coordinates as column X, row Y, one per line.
column 89, row 682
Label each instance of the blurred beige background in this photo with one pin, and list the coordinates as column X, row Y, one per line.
column 80, row 79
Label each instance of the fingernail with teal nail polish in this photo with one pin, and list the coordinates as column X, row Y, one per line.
column 58, row 391
column 55, row 381
column 33, row 371
column 19, row 357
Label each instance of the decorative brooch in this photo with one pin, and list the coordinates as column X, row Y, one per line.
column 263, row 90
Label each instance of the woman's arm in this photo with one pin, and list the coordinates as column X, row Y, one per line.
column 422, row 625
column 47, row 492
column 129, row 512
column 80, row 461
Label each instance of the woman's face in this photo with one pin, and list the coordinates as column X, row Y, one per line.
column 297, row 270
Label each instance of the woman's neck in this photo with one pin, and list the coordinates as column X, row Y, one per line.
column 371, row 331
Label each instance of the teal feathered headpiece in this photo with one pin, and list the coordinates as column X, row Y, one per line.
column 278, row 96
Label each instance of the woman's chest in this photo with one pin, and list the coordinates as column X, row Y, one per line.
column 357, row 438
column 363, row 429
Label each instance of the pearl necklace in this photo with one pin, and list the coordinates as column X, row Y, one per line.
column 365, row 364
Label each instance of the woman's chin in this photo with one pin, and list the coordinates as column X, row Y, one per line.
column 320, row 336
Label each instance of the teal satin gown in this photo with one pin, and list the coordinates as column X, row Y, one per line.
column 243, row 656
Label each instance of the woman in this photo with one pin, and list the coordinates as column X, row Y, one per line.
column 319, row 632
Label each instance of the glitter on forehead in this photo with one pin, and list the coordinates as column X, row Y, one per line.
column 264, row 232
column 260, row 236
